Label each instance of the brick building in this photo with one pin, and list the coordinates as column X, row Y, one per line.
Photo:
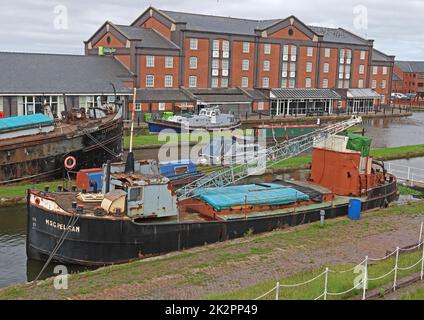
column 279, row 65
column 408, row 77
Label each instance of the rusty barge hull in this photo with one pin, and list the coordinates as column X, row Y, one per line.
column 38, row 157
column 98, row 241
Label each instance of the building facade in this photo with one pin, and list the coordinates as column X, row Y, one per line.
column 167, row 50
column 408, row 77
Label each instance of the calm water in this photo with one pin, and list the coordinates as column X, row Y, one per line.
column 16, row 268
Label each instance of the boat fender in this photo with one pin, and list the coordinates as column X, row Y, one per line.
column 70, row 163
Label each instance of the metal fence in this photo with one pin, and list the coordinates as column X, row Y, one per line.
column 405, row 173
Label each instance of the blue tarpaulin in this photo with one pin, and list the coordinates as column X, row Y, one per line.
column 24, row 121
column 251, row 194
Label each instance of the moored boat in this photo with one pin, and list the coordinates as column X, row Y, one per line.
column 138, row 213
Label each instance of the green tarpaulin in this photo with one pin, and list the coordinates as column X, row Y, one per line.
column 359, row 143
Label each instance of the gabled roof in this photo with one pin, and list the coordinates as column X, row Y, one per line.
column 210, row 23
column 411, row 66
column 55, row 73
column 380, row 56
column 149, row 37
column 338, row 35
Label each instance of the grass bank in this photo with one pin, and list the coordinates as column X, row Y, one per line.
column 197, row 268
column 340, row 279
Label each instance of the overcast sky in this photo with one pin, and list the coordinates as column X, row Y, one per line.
column 62, row 26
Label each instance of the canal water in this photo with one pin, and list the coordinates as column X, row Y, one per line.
column 16, row 268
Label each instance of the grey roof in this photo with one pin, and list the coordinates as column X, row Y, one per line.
column 55, row 73
column 162, row 95
column 256, row 94
column 202, row 22
column 380, row 56
column 338, row 35
column 411, row 66
column 395, row 77
column 365, row 93
column 304, row 93
column 149, row 37
column 220, row 95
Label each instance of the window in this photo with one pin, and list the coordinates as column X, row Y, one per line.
column 361, row 69
column 383, row 84
column 136, row 194
column 150, row 61
column 224, row 82
column 214, row 82
column 246, row 47
column 346, row 84
column 29, row 105
column 192, row 81
column 348, row 54
column 292, row 83
column 245, row 65
column 161, row 106
column 168, row 81
column 137, row 107
column 1, row 104
column 267, row 48
column 310, row 52
column 384, row 70
column 325, row 83
column 215, row 45
column 326, row 67
column 374, row 70
column 341, row 68
column 347, row 69
column 374, row 84
column 342, row 53
column 285, row 49
column 308, row 82
column 284, row 83
column 266, row 65
column 225, row 46
column 327, row 52
column 193, row 44
column 150, row 81
column 293, row 50
column 285, row 66
column 308, row 66
column 169, row 62
column 193, row 62
column 215, row 64
column 225, row 64
column 293, row 67
column 244, row 82
column 360, row 83
column 362, row 55
column 265, row 82
column 260, row 105
column 340, row 84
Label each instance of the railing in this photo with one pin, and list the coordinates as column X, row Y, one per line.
column 406, row 173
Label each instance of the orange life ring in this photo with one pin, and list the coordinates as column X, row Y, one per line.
column 70, row 163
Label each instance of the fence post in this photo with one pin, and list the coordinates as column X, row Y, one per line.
column 326, row 284
column 421, row 233
column 365, row 280
column 396, row 268
column 277, row 291
column 422, row 263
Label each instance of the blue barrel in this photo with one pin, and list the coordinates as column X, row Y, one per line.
column 354, row 212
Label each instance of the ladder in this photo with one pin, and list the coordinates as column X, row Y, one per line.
column 267, row 159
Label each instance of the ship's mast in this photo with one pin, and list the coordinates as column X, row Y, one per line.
column 129, row 167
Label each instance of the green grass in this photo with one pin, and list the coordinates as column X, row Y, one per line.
column 403, row 190
column 337, row 282
column 415, row 295
column 20, row 190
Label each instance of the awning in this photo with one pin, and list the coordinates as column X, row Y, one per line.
column 304, row 94
column 221, row 96
column 162, row 95
column 361, row 94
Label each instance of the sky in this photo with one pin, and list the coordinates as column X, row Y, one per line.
column 61, row 26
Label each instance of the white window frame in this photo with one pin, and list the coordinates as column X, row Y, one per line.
column 327, row 52
column 137, row 107
column 309, row 67
column 362, row 54
column 292, row 83
column 267, row 48
column 161, row 106
column 245, row 82
column 360, row 83
column 375, row 70
column 326, row 68
column 265, row 82
column 193, row 63
column 384, row 70
column 261, row 105
column 308, row 83
column 194, row 44
column 215, row 45
column 225, row 45
column 215, row 82
column 169, row 62
column 225, row 64
column 224, row 83
column 383, row 84
column 150, row 61
column 361, row 69
column 267, row 65
column 215, row 63
column 246, row 47
column 325, row 83
column 169, row 81
column 374, row 84
column 245, row 65
column 150, row 84
column 192, row 81
column 310, row 51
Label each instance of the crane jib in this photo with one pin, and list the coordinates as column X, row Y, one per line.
column 274, row 155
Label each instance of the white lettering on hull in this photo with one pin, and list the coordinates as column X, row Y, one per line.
column 61, row 226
